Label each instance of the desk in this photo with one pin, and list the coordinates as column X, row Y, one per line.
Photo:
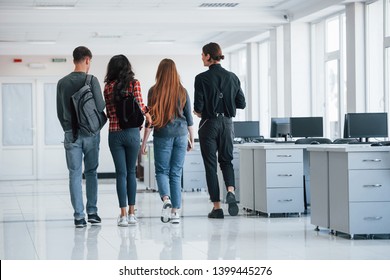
column 351, row 188
column 271, row 177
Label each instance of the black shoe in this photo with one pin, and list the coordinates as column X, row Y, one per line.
column 216, row 214
column 80, row 223
column 94, row 219
column 232, row 202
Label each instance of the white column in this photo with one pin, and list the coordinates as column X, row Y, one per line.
column 277, row 72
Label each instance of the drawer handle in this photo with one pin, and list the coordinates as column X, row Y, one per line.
column 284, row 155
column 285, row 200
column 376, row 218
column 285, row 175
column 372, row 160
column 195, row 163
column 372, row 186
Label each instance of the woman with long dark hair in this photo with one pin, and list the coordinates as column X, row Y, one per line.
column 170, row 109
column 124, row 143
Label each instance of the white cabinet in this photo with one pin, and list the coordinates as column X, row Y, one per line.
column 271, row 178
column 359, row 190
column 278, row 177
column 194, row 176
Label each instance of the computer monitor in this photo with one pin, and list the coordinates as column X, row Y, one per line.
column 307, row 127
column 280, row 127
column 246, row 129
column 365, row 125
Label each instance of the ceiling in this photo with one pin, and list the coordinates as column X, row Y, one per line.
column 32, row 27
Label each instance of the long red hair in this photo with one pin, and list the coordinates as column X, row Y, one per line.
column 168, row 94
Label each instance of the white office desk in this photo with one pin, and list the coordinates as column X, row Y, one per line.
column 271, row 177
column 350, row 187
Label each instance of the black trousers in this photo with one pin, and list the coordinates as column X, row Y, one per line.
column 216, row 136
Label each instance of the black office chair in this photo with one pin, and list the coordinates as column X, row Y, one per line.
column 345, row 140
column 313, row 140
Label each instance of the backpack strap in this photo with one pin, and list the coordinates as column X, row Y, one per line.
column 88, row 80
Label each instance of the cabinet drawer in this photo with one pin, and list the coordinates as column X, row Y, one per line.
column 284, row 174
column 284, row 155
column 369, row 217
column 369, row 185
column 194, row 180
column 369, row 160
column 285, row 200
column 193, row 163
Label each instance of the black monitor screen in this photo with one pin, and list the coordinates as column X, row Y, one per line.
column 307, row 127
column 280, row 127
column 246, row 129
column 364, row 125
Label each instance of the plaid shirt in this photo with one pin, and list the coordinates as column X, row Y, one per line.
column 110, row 104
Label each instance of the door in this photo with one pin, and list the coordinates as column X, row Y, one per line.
column 18, row 152
column 31, row 136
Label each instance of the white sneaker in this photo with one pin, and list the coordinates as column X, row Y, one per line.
column 166, row 211
column 131, row 219
column 122, row 221
column 175, row 218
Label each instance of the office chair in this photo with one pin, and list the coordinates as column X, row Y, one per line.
column 345, row 140
column 313, row 141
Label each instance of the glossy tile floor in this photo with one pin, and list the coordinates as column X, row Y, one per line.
column 36, row 223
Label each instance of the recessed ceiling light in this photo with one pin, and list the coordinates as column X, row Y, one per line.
column 55, row 6
column 161, row 42
column 41, row 42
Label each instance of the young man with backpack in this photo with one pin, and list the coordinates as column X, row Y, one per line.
column 78, row 145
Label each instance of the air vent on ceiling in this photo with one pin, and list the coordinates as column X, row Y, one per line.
column 218, row 5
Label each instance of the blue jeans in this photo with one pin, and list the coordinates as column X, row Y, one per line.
column 169, row 154
column 74, row 151
column 124, row 147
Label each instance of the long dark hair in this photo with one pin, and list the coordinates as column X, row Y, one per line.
column 119, row 70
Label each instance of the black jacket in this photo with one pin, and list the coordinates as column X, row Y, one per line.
column 208, row 88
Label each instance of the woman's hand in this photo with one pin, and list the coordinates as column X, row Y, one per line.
column 148, row 119
column 143, row 148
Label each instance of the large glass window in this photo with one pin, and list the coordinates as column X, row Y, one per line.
column 333, row 52
column 387, row 18
column 374, row 62
column 332, row 100
column 238, row 66
column 333, row 35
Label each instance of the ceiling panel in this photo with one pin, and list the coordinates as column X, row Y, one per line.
column 111, row 25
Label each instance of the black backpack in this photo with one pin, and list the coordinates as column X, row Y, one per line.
column 128, row 111
column 89, row 119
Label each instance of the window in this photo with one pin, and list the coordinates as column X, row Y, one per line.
column 387, row 18
column 332, row 35
column 238, row 66
column 375, row 60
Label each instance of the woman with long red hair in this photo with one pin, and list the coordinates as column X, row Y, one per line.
column 170, row 108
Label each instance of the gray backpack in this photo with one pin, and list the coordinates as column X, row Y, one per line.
column 89, row 119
